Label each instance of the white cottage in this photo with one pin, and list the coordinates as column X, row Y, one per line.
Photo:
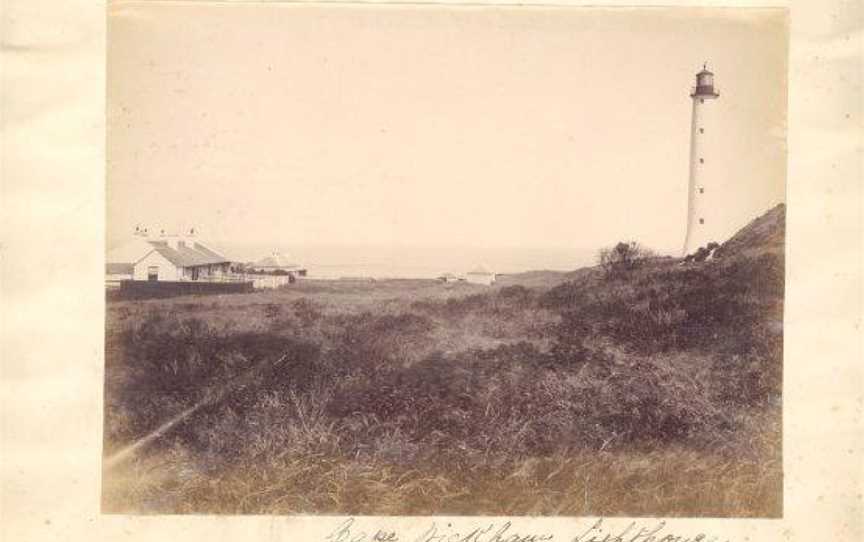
column 166, row 258
column 180, row 260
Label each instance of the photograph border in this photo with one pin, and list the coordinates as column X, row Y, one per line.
column 52, row 415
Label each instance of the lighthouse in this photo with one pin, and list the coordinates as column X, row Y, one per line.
column 705, row 171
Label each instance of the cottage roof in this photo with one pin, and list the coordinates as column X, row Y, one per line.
column 480, row 271
column 188, row 256
column 275, row 261
column 209, row 252
column 190, row 253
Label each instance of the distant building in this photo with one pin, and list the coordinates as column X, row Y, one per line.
column 480, row 276
column 274, row 271
column 278, row 264
column 117, row 272
column 166, row 258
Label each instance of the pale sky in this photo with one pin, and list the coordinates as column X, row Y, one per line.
column 407, row 125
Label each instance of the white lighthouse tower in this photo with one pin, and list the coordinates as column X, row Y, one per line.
column 705, row 171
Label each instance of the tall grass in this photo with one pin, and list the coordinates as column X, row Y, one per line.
column 654, row 392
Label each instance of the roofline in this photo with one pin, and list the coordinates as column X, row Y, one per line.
column 204, row 264
column 174, row 264
column 152, row 250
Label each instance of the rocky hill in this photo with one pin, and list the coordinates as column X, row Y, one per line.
column 764, row 235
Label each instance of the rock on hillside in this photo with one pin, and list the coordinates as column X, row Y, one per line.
column 764, row 235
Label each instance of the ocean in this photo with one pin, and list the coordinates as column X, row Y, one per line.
column 379, row 261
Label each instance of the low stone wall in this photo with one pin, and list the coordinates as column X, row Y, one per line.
column 144, row 289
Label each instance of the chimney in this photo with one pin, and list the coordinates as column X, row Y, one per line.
column 170, row 239
column 190, row 238
column 176, row 241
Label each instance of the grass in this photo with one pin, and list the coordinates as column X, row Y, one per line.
column 671, row 482
column 653, row 393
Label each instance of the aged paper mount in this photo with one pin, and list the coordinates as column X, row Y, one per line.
column 53, row 233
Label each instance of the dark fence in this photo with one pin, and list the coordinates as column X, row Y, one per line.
column 145, row 289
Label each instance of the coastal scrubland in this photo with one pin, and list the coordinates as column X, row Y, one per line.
column 651, row 392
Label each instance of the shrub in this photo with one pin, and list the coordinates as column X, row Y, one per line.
column 623, row 257
column 702, row 253
column 272, row 310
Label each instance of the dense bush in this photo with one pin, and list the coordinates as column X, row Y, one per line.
column 734, row 307
column 660, row 355
column 171, row 363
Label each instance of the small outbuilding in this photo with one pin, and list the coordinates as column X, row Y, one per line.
column 277, row 264
column 115, row 273
column 480, row 275
column 274, row 271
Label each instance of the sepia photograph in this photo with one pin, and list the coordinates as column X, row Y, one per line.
column 402, row 260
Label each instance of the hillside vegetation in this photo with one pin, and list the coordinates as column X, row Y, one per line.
column 654, row 392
